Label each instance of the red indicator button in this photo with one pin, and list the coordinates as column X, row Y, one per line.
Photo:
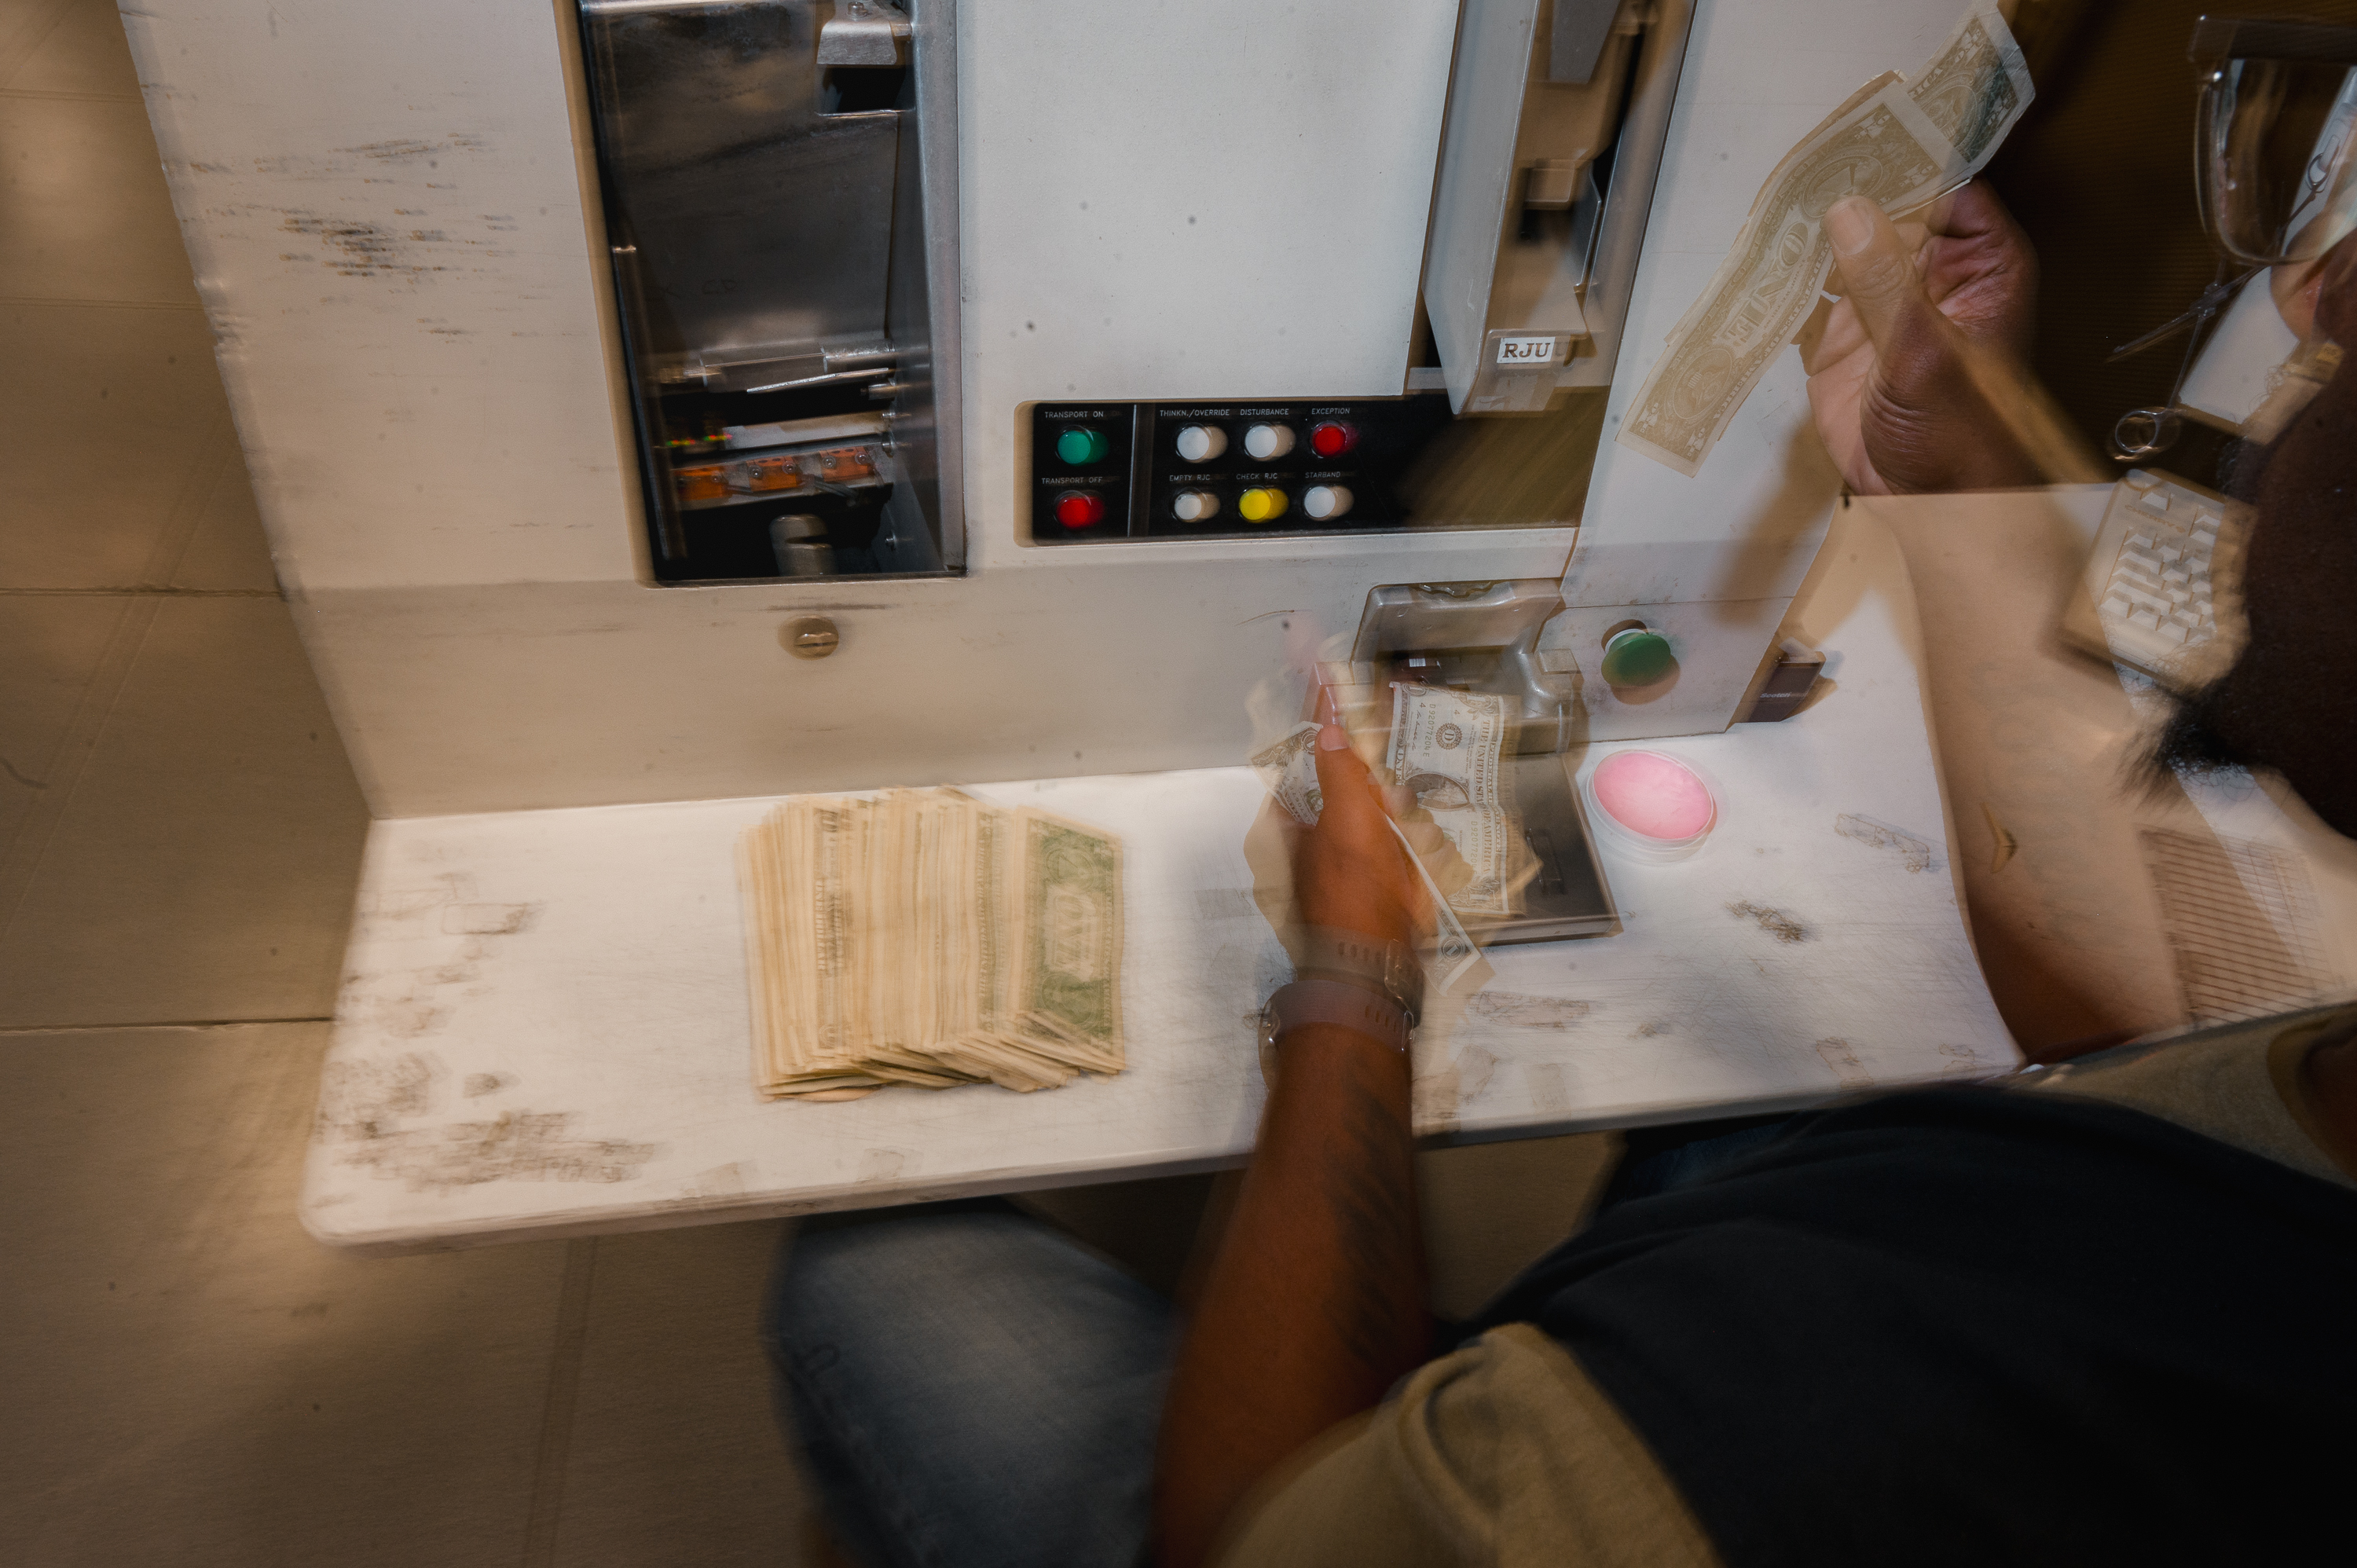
column 1080, row 509
column 1333, row 438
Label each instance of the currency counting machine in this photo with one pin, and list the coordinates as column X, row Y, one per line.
column 657, row 399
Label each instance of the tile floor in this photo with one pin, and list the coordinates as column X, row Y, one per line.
column 192, row 1379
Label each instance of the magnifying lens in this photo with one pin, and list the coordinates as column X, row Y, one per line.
column 2275, row 156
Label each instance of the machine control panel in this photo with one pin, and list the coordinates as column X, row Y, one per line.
column 1102, row 472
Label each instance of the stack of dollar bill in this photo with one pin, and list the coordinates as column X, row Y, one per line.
column 1898, row 141
column 924, row 938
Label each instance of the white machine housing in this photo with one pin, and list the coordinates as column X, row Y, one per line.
column 393, row 217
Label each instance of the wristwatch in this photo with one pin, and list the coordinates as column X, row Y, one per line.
column 1351, row 980
column 1337, row 1002
column 1355, row 959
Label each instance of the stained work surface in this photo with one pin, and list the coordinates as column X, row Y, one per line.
column 1815, row 945
column 193, row 1380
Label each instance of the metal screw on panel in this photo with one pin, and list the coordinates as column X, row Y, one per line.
column 812, row 637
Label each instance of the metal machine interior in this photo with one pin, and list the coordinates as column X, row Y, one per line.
column 772, row 211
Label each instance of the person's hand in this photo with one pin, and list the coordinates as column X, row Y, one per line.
column 1892, row 376
column 1349, row 872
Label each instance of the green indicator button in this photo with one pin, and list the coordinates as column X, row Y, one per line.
column 1081, row 447
column 1638, row 657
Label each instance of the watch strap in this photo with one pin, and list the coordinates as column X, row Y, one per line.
column 1354, row 1007
column 1331, row 954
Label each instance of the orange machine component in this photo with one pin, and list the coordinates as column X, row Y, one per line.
column 765, row 474
column 847, row 463
column 701, row 483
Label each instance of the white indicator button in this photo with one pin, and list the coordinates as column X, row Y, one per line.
column 1195, row 506
column 1325, row 501
column 1269, row 440
column 1201, row 443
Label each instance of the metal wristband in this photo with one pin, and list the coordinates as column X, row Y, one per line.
column 1357, row 1008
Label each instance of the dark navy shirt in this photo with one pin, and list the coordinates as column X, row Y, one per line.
column 1965, row 1326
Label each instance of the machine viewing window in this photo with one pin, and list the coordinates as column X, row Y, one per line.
column 778, row 211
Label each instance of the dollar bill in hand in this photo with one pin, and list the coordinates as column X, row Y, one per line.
column 1447, row 747
column 1453, row 951
column 1289, row 770
column 1974, row 88
column 1898, row 143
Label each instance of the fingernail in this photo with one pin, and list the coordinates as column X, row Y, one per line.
column 1331, row 738
column 1848, row 224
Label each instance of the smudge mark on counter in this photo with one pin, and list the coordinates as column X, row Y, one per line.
column 487, row 919
column 369, row 1111
column 409, row 149
column 1839, row 1056
column 1912, row 852
column 361, row 249
column 1521, row 1012
column 521, row 1146
column 1772, row 920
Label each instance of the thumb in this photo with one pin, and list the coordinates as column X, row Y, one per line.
column 1343, row 779
column 1878, row 277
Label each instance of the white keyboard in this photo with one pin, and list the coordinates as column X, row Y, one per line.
column 2150, row 572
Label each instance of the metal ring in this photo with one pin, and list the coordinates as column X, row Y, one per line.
column 2146, row 432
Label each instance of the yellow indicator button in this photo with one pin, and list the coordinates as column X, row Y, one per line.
column 1261, row 505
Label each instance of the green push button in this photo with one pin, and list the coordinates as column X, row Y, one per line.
column 1637, row 658
column 1082, row 447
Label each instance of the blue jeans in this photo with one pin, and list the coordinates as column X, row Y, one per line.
column 972, row 1388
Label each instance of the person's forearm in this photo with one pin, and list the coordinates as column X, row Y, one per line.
column 1314, row 1305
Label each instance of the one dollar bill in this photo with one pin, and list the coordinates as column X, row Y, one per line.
column 1900, row 144
column 1448, row 747
column 1975, row 87
column 1067, row 971
column 1289, row 770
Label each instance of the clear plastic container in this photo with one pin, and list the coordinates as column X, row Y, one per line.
column 1651, row 805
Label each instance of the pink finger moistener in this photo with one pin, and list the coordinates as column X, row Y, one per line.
column 1651, row 802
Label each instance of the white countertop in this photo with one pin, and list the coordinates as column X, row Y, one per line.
column 545, row 1027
